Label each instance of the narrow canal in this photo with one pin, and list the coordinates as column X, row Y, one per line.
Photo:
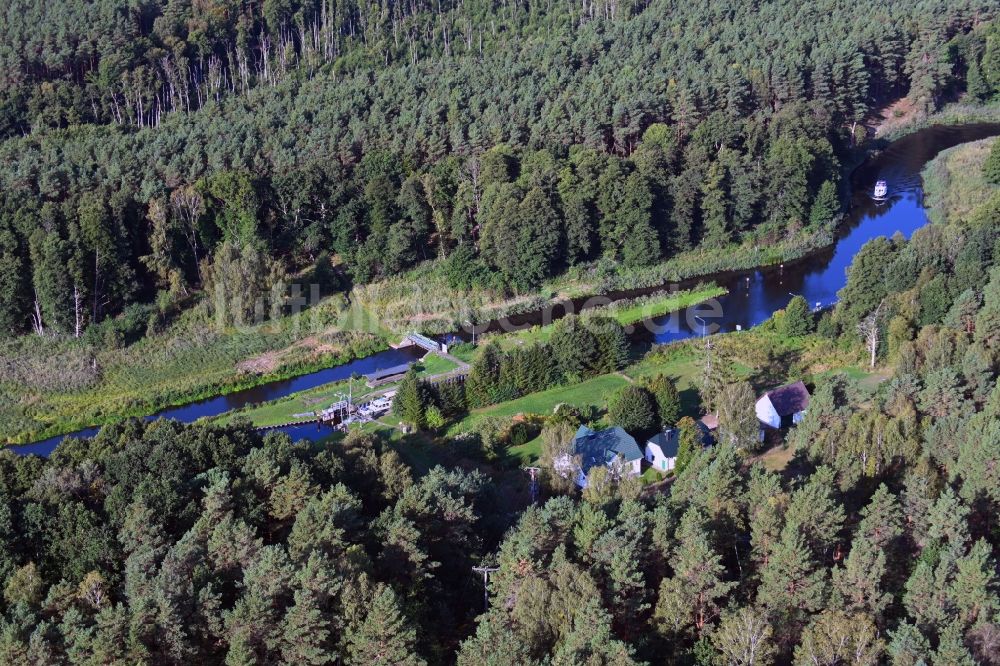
column 753, row 295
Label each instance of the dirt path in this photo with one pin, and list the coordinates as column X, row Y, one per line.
column 462, row 365
column 898, row 114
column 625, row 377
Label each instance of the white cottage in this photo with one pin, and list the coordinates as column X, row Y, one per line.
column 661, row 450
column 783, row 406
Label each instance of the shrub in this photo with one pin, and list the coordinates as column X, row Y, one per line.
column 827, row 327
column 520, row 433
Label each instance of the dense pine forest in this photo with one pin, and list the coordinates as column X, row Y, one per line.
column 169, row 167
column 154, row 149
column 877, row 543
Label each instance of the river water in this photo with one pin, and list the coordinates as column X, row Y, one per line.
column 756, row 294
column 753, row 295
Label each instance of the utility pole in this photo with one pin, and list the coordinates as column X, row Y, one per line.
column 350, row 390
column 533, row 472
column 486, row 571
column 708, row 346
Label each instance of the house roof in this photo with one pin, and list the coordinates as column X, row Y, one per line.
column 601, row 446
column 387, row 372
column 789, row 399
column 667, row 441
column 706, row 433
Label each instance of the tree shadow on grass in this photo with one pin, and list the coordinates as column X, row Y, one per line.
column 690, row 402
column 775, row 371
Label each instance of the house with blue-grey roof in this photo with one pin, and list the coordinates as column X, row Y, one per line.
column 661, row 449
column 612, row 447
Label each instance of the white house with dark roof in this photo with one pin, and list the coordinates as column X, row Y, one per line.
column 661, row 450
column 783, row 406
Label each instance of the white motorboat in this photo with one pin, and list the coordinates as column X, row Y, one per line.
column 881, row 191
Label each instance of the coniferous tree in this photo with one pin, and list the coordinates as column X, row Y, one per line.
column 14, row 285
column 859, row 581
column 797, row 320
column 668, row 401
column 575, row 347
column 975, row 83
column 305, row 632
column 383, row 635
column 951, row 649
column 825, row 205
column 975, row 589
column 715, row 215
column 688, row 443
column 639, row 242
column 792, row 584
column 590, row 640
column 908, row 646
column 494, row 644
column 411, row 401
column 693, row 597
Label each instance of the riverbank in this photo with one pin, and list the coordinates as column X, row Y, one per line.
column 291, row 409
column 955, row 188
column 92, row 383
column 955, row 113
column 628, row 312
column 50, row 386
column 299, row 407
column 421, row 299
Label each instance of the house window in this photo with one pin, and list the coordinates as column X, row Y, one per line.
column 663, row 464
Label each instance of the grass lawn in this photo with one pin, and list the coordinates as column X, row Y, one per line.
column 591, row 394
column 651, row 476
column 760, row 356
column 295, row 407
column 527, row 453
column 587, row 394
column 464, row 351
column 625, row 312
column 776, row 458
column 432, row 364
column 659, row 304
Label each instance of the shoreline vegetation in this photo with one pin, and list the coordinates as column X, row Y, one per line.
column 954, row 184
column 272, row 352
column 96, row 382
column 421, row 298
column 960, row 112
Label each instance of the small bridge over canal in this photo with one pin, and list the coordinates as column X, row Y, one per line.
column 422, row 341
